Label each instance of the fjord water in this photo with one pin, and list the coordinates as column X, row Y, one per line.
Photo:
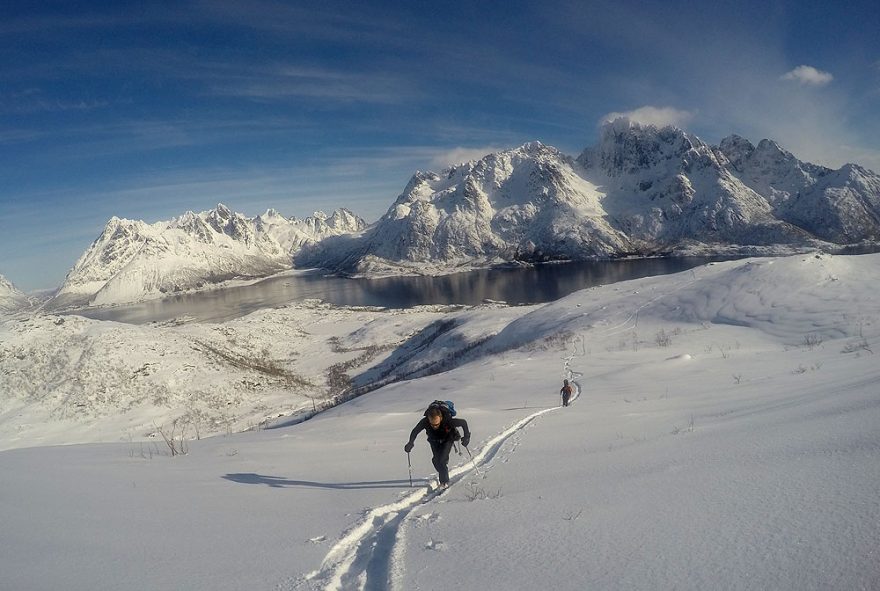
column 532, row 285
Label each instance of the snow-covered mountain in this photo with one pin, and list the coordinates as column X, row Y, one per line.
column 526, row 204
column 11, row 299
column 665, row 188
column 640, row 190
column 840, row 206
column 133, row 260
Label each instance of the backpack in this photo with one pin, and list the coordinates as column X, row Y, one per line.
column 447, row 407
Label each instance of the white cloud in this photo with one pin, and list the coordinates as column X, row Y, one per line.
column 648, row 115
column 460, row 155
column 808, row 75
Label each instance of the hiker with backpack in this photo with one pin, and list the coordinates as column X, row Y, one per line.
column 566, row 392
column 441, row 426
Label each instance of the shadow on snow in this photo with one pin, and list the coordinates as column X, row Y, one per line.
column 278, row 482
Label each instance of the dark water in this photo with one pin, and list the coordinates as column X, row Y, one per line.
column 543, row 283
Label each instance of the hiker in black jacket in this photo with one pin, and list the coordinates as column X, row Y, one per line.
column 442, row 433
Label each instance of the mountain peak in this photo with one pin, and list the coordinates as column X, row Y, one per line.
column 11, row 299
column 771, row 148
column 627, row 146
column 737, row 150
column 5, row 284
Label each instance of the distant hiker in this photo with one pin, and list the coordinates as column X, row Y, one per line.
column 440, row 426
column 566, row 392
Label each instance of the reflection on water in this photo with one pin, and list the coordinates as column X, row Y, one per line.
column 543, row 283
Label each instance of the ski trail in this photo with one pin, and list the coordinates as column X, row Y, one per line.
column 363, row 557
column 632, row 320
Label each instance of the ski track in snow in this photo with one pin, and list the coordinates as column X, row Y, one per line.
column 365, row 557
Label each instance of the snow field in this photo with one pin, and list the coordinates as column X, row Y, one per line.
column 712, row 445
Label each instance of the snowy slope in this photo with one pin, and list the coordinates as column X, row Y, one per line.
column 133, row 260
column 68, row 379
column 11, row 299
column 724, row 436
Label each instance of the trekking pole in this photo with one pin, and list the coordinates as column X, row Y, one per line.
column 409, row 463
column 477, row 468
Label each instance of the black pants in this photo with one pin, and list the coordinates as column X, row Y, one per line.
column 565, row 397
column 441, row 450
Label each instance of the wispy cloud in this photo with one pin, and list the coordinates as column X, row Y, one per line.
column 34, row 100
column 356, row 22
column 649, row 115
column 284, row 81
column 808, row 76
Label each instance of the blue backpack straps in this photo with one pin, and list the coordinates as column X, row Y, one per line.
column 447, row 407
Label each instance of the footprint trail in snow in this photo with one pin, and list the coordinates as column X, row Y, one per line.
column 364, row 557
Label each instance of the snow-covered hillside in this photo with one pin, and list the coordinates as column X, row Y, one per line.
column 724, row 435
column 640, row 190
column 11, row 299
column 68, row 379
column 133, row 260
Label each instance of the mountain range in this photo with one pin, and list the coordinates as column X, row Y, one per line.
column 641, row 191
column 132, row 260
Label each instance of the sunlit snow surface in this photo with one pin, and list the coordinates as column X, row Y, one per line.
column 725, row 435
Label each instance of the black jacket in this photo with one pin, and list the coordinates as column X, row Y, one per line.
column 445, row 432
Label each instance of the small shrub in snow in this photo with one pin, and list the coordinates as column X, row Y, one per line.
column 144, row 451
column 478, row 493
column 811, row 341
column 663, row 339
column 688, row 429
column 174, row 439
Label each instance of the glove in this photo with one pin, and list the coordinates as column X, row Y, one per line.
column 408, row 447
column 465, row 440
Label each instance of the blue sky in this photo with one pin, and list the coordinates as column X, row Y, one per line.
column 147, row 110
